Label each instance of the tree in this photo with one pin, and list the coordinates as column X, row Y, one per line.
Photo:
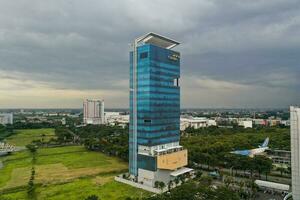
column 92, row 197
column 192, row 190
column 223, row 193
column 183, row 192
column 252, row 186
column 244, row 163
column 63, row 135
column 182, row 178
column 32, row 148
column 170, row 185
column 156, row 184
column 204, row 144
column 251, row 166
column 281, row 170
column 111, row 140
column 241, row 184
column 90, row 143
column 30, row 189
column 43, row 137
column 263, row 165
column 228, row 181
column 31, row 186
column 206, row 180
column 289, row 170
column 161, row 185
column 177, row 180
column 207, row 159
column 198, row 174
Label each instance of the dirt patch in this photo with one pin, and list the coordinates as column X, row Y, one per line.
column 101, row 180
column 58, row 173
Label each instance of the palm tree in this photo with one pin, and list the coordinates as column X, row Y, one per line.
column 241, row 184
column 282, row 170
column 170, row 184
column 198, row 174
column 182, row 179
column 161, row 185
column 228, row 181
column 156, row 184
column 177, row 180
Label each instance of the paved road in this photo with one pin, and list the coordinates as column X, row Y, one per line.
column 270, row 178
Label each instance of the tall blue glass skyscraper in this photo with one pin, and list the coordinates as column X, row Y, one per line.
column 154, row 132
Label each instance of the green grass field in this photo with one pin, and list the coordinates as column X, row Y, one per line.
column 69, row 172
column 80, row 189
column 26, row 136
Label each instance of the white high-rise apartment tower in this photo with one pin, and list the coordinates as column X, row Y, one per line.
column 295, row 149
column 93, row 112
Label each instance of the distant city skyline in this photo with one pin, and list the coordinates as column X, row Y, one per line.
column 55, row 54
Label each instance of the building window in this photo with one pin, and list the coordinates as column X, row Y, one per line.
column 176, row 82
column 143, row 55
column 147, row 120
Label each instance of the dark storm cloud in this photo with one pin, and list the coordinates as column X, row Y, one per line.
column 83, row 45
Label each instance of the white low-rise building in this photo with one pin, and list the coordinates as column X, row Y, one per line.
column 273, row 122
column 116, row 118
column 211, row 122
column 246, row 124
column 196, row 122
column 285, row 122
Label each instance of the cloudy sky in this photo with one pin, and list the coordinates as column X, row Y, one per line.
column 235, row 53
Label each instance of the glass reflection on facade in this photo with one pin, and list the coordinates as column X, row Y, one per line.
column 156, row 103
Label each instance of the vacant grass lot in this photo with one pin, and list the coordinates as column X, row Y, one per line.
column 69, row 172
column 79, row 189
column 26, row 136
column 14, row 162
column 75, row 157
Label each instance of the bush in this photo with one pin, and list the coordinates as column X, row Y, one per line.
column 92, row 197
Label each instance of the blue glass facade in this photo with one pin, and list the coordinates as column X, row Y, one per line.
column 157, row 101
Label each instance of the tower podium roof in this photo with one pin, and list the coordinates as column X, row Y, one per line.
column 158, row 40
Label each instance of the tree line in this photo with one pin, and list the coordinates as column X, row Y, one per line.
column 207, row 146
column 111, row 140
column 197, row 190
column 5, row 131
column 212, row 146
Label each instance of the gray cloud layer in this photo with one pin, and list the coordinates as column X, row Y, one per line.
column 234, row 53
